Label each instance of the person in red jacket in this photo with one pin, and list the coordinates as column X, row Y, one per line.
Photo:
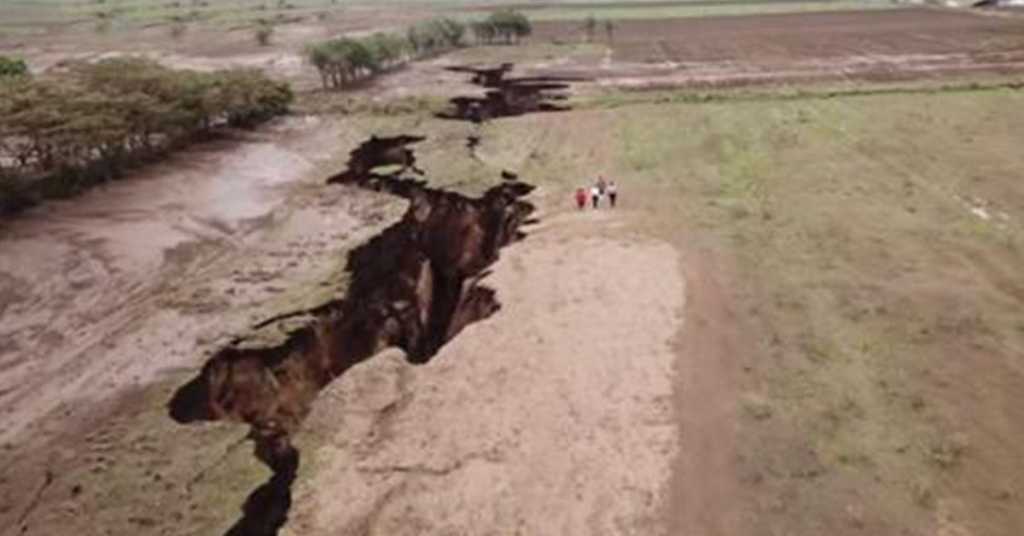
column 581, row 198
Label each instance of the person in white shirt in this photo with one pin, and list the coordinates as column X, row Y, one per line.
column 595, row 196
column 613, row 193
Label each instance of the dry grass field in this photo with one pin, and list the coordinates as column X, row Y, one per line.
column 864, row 248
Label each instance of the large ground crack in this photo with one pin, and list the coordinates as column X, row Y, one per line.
column 414, row 286
column 507, row 96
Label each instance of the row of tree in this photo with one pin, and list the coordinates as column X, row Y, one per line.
column 507, row 25
column 91, row 122
column 344, row 60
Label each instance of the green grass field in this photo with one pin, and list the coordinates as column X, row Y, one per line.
column 875, row 240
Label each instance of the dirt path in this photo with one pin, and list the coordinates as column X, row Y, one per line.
column 704, row 496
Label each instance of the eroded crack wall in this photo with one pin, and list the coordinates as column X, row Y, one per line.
column 507, row 96
column 415, row 286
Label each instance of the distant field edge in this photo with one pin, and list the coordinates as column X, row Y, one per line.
column 541, row 6
column 613, row 97
column 553, row 12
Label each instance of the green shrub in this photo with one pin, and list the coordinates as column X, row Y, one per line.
column 510, row 25
column 388, row 49
column 343, row 61
column 249, row 98
column 12, row 67
column 452, row 31
column 436, row 35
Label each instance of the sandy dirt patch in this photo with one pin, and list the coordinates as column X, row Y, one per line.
column 554, row 417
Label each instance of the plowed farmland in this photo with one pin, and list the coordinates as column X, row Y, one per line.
column 878, row 45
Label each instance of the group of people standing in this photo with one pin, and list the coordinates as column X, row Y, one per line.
column 596, row 193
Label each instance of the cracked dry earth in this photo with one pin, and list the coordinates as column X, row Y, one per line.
column 108, row 302
column 555, row 416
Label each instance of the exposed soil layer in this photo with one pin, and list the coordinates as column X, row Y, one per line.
column 553, row 417
column 415, row 286
column 507, row 96
column 378, row 152
column 879, row 45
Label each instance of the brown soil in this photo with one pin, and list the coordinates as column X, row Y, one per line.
column 783, row 48
column 707, row 389
column 113, row 293
column 560, row 415
column 554, row 416
column 90, row 262
column 415, row 286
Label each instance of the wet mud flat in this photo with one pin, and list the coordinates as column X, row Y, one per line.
column 414, row 286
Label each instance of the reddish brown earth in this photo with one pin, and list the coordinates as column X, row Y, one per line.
column 864, row 45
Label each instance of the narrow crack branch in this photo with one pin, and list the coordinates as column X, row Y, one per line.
column 47, row 480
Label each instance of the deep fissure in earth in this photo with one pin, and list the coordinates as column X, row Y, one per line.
column 414, row 286
column 507, row 96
